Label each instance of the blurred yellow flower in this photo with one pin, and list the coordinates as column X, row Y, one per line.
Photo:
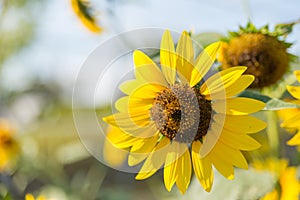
column 31, row 197
column 285, row 114
column 273, row 195
column 287, row 186
column 83, row 11
column 110, row 149
column 293, row 121
column 179, row 121
column 9, row 148
column 260, row 50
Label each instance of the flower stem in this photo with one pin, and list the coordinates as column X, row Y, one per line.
column 272, row 121
column 272, row 132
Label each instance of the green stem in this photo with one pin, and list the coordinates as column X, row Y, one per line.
column 272, row 120
column 272, row 132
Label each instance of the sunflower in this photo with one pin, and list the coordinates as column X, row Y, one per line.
column 176, row 118
column 83, row 11
column 287, row 186
column 9, row 147
column 292, row 122
column 262, row 51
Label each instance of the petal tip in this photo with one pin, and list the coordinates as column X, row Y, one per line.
column 182, row 191
column 208, row 188
column 136, row 52
column 105, row 119
column 230, row 177
column 167, row 32
column 185, row 33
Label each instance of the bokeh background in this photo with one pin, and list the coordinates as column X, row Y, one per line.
column 43, row 45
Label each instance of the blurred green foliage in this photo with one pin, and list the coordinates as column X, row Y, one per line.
column 17, row 26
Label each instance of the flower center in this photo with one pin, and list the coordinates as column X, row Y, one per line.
column 266, row 58
column 5, row 140
column 181, row 113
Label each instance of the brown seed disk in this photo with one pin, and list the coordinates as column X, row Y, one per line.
column 265, row 56
column 181, row 113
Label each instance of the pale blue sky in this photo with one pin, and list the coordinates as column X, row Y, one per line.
column 62, row 43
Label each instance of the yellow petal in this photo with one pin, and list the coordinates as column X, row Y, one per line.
column 292, row 122
column 240, row 85
column 141, row 150
column 170, row 174
column 233, row 156
column 221, row 163
column 297, row 74
column 119, row 138
column 273, row 195
column 41, row 198
column 202, row 167
column 141, row 118
column 294, row 91
column 29, row 197
column 168, row 57
column 146, row 69
column 204, row 61
column 127, row 104
column 220, row 81
column 122, row 104
column 141, row 132
column 147, row 91
column 241, row 123
column 285, row 114
column 210, row 139
column 238, row 106
column 122, row 139
column 295, row 140
column 185, row 57
column 239, row 141
column 289, row 183
column 82, row 10
column 113, row 155
column 184, row 172
column 155, row 160
column 129, row 86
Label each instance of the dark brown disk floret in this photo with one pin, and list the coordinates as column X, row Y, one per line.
column 181, row 113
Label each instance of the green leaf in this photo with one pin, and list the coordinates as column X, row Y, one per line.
column 233, row 34
column 250, row 28
column 255, row 95
column 293, row 58
column 285, row 29
column 271, row 104
column 287, row 44
column 7, row 197
column 264, row 29
column 277, row 104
